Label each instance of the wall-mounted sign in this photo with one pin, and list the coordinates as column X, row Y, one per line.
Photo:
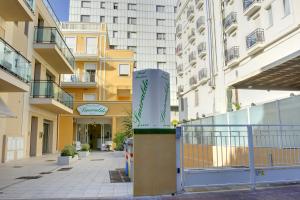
column 151, row 99
column 92, row 109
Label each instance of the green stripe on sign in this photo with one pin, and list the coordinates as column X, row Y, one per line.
column 155, row 131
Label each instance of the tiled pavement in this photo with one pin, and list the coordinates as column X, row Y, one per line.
column 88, row 178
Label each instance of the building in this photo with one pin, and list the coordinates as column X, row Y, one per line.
column 234, row 54
column 101, row 87
column 33, row 55
column 146, row 27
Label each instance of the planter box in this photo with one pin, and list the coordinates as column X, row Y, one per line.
column 66, row 160
column 83, row 154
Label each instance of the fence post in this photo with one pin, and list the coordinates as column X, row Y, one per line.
column 178, row 160
column 251, row 157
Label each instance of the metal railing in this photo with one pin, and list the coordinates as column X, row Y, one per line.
column 50, row 89
column 179, row 49
column 80, row 26
column 248, row 3
column 190, row 12
column 202, row 74
column 14, row 62
column 231, row 54
column 192, row 57
column 230, row 19
column 179, row 68
column 193, row 80
column 51, row 35
column 79, row 78
column 200, row 21
column 201, row 47
column 180, row 89
column 191, row 35
column 30, row 4
column 255, row 37
column 179, row 29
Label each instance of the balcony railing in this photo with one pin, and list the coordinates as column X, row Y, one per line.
column 190, row 13
column 180, row 89
column 179, row 69
column 75, row 78
column 201, row 49
column 179, row 49
column 192, row 57
column 49, row 89
column 202, row 74
column 13, row 62
column 179, row 30
column 50, row 35
column 30, row 4
column 193, row 80
column 230, row 19
column 192, row 35
column 248, row 3
column 199, row 3
column 232, row 53
column 255, row 37
column 200, row 24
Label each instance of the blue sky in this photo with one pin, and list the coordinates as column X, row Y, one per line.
column 61, row 9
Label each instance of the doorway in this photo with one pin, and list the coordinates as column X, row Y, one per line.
column 46, row 137
column 33, row 135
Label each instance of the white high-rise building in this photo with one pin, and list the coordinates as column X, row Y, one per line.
column 233, row 54
column 147, row 27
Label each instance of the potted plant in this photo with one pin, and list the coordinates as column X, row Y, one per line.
column 67, row 156
column 85, row 151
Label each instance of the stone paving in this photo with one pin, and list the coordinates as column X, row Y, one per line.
column 88, row 178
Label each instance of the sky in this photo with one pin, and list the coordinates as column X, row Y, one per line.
column 61, row 9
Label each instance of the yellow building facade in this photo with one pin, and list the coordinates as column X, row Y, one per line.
column 101, row 87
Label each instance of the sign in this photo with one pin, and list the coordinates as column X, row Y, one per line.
column 92, row 109
column 151, row 99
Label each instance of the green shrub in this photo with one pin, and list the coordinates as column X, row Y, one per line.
column 85, row 147
column 119, row 141
column 68, row 150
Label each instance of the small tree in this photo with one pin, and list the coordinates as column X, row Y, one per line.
column 119, row 141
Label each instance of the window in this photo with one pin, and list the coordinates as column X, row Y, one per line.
column 286, row 7
column 26, row 28
column 85, row 18
column 124, row 70
column 71, row 43
column 89, row 97
column 91, row 45
column 160, row 9
column 131, row 6
column 160, row 22
column 85, row 4
column 115, row 34
column 131, row 35
column 160, row 36
column 102, row 4
column 270, row 16
column 161, row 50
column 196, row 98
column 132, row 48
column 132, row 20
column 102, row 19
column 90, row 72
column 161, row 65
column 115, row 20
column 115, row 6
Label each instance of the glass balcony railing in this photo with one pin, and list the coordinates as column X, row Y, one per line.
column 30, row 4
column 50, row 35
column 49, row 89
column 83, row 78
column 13, row 62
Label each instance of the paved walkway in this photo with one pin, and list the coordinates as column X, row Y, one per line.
column 88, row 178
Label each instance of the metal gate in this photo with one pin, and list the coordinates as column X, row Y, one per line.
column 222, row 155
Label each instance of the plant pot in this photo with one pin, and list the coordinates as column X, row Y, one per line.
column 66, row 160
column 83, row 154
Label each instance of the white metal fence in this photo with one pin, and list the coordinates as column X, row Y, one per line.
column 239, row 154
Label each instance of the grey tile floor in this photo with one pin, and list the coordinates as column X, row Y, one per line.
column 87, row 178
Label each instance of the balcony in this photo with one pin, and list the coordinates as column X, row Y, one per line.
column 85, row 80
column 85, row 56
column 50, row 96
column 230, row 23
column 202, row 76
column 255, row 41
column 180, row 90
column 179, row 30
column 199, row 3
column 15, row 69
column 190, row 14
column 179, row 70
column 192, row 59
column 179, row 50
column 251, row 7
column 193, row 82
column 50, row 45
column 192, row 36
column 232, row 56
column 200, row 24
column 17, row 10
column 202, row 49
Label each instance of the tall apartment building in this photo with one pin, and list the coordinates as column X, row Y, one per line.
column 33, row 55
column 146, row 27
column 235, row 53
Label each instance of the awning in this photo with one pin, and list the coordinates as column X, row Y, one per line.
column 5, row 112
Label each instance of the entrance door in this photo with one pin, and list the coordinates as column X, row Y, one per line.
column 33, row 136
column 46, row 138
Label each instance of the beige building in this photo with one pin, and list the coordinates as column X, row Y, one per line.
column 33, row 54
column 235, row 53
